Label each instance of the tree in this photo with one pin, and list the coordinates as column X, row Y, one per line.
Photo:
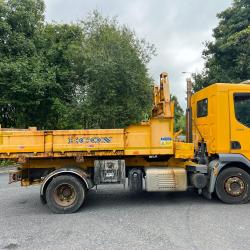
column 116, row 88
column 179, row 117
column 54, row 76
column 54, row 43
column 227, row 58
column 37, row 80
column 22, row 73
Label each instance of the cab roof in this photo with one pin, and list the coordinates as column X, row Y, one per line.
column 226, row 87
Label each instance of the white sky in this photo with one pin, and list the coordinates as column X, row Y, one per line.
column 178, row 28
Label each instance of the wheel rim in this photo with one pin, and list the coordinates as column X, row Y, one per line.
column 235, row 186
column 64, row 195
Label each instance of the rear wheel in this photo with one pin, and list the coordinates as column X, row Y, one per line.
column 232, row 186
column 65, row 194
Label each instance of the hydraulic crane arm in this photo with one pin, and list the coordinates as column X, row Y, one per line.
column 162, row 103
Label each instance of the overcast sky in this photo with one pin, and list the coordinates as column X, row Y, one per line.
column 178, row 28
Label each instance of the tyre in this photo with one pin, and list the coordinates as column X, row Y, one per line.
column 65, row 194
column 232, row 186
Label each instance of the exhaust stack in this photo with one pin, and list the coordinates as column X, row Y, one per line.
column 189, row 133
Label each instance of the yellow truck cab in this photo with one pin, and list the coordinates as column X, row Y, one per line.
column 221, row 136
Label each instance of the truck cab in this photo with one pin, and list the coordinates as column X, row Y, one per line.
column 221, row 118
column 221, row 135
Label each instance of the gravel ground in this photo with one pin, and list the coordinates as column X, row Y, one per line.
column 113, row 218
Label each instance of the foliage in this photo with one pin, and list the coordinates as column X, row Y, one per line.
column 6, row 163
column 22, row 74
column 54, row 76
column 227, row 58
column 179, row 116
column 116, row 89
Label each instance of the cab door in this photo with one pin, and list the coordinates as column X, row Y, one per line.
column 240, row 123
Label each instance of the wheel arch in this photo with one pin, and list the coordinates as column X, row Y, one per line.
column 237, row 164
column 76, row 172
column 223, row 162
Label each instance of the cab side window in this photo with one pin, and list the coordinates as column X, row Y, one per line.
column 242, row 108
column 202, row 108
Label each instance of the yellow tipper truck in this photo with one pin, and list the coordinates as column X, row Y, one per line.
column 215, row 158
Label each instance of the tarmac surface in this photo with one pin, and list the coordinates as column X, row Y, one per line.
column 113, row 218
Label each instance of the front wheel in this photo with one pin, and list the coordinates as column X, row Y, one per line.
column 232, row 186
column 65, row 194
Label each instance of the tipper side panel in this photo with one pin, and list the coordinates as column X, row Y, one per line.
column 88, row 140
column 21, row 141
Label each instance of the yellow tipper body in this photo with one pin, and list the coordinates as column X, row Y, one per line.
column 218, row 124
column 153, row 137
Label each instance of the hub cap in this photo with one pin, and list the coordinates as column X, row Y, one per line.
column 64, row 195
column 235, row 186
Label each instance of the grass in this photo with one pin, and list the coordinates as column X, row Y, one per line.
column 6, row 163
